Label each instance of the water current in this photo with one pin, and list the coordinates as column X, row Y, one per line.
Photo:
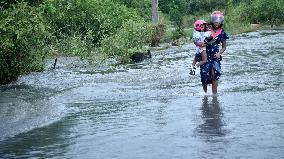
column 153, row 109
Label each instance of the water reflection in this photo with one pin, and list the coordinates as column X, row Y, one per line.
column 211, row 115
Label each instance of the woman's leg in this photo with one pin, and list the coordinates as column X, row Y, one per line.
column 215, row 86
column 214, row 82
column 204, row 85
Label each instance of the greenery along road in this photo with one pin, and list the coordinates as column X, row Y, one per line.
column 33, row 30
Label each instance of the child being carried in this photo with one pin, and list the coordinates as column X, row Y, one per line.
column 200, row 37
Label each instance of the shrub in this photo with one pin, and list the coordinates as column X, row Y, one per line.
column 266, row 11
column 143, row 7
column 23, row 33
column 92, row 19
column 131, row 36
column 158, row 31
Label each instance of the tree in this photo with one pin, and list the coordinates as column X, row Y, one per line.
column 155, row 16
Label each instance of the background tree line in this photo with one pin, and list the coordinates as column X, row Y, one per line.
column 33, row 30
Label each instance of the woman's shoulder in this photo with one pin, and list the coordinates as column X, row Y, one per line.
column 224, row 34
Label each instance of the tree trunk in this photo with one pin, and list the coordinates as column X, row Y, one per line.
column 155, row 16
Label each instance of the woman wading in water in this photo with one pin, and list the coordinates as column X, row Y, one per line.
column 211, row 71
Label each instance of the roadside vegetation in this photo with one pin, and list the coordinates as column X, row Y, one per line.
column 32, row 31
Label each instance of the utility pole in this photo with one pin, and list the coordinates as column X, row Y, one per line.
column 155, row 16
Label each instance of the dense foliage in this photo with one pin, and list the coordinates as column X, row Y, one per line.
column 23, row 34
column 92, row 19
column 143, row 7
column 33, row 30
column 263, row 11
column 238, row 13
column 131, row 36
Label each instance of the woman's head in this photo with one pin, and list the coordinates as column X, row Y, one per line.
column 199, row 25
column 217, row 19
column 217, row 25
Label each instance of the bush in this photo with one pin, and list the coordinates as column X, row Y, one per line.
column 92, row 19
column 73, row 45
column 259, row 11
column 266, row 11
column 23, row 34
column 143, row 7
column 197, row 6
column 131, row 36
column 158, row 31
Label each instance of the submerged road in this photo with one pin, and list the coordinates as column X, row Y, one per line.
column 153, row 109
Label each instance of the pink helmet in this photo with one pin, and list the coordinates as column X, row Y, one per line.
column 217, row 17
column 198, row 23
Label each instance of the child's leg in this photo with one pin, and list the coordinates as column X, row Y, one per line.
column 203, row 58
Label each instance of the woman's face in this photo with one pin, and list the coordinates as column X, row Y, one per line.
column 216, row 25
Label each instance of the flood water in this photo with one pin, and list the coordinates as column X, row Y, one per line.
column 152, row 110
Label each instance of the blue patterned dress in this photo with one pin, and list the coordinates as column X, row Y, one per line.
column 212, row 49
